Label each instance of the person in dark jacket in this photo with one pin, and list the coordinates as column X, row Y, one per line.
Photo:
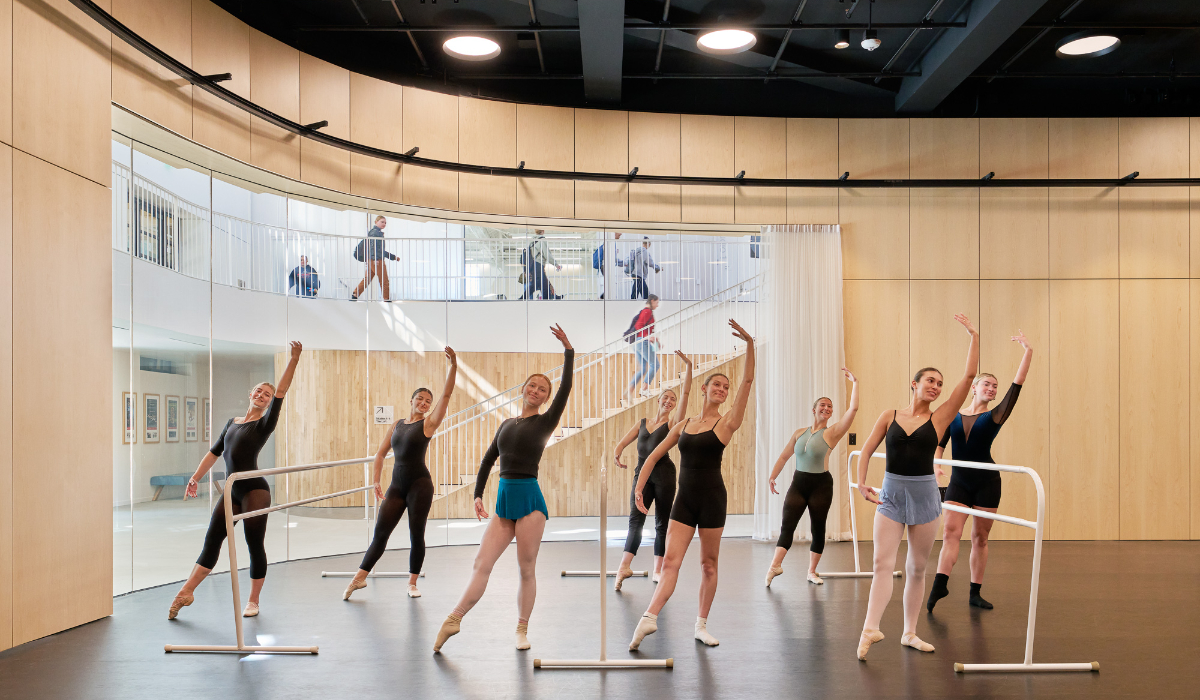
column 374, row 255
column 305, row 279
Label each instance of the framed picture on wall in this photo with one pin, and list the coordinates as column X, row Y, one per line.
column 172, row 418
column 151, row 413
column 208, row 420
column 129, row 401
column 191, row 418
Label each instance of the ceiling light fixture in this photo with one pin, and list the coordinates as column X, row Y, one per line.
column 1085, row 45
column 870, row 40
column 843, row 39
column 725, row 41
column 471, row 48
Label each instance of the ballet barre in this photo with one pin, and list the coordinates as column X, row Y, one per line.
column 852, row 487
column 643, row 574
column 603, row 661
column 230, row 519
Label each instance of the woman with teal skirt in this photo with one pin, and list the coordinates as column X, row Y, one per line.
column 520, row 508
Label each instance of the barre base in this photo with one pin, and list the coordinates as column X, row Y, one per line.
column 373, row 574
column 590, row 663
column 1025, row 668
column 235, row 650
column 854, row 574
column 643, row 574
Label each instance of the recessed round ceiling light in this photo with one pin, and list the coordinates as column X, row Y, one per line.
column 1087, row 45
column 725, row 41
column 471, row 48
column 843, row 41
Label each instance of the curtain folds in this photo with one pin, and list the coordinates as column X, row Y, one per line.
column 800, row 359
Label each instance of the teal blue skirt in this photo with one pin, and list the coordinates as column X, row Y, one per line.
column 517, row 498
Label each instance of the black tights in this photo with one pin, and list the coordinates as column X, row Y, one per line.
column 812, row 491
column 415, row 495
column 255, row 530
column 665, row 495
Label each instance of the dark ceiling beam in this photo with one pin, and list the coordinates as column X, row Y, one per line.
column 955, row 55
column 1044, row 31
column 601, row 45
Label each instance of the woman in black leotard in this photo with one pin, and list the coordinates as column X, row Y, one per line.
column 972, row 434
column 412, row 487
column 909, row 497
column 520, row 508
column 701, row 499
column 661, row 488
column 240, row 442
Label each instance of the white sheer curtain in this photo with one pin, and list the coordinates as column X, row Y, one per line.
column 800, row 360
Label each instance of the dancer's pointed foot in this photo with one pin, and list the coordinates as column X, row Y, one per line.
column 814, row 578
column 623, row 573
column 937, row 591
column 868, row 638
column 912, row 640
column 181, row 601
column 251, row 610
column 449, row 628
column 647, row 625
column 353, row 586
column 413, row 592
column 772, row 573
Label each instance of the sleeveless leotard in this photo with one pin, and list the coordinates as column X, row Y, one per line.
column 702, row 499
column 811, row 450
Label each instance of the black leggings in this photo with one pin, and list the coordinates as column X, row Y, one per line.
column 665, row 495
column 416, row 495
column 812, row 491
column 255, row 529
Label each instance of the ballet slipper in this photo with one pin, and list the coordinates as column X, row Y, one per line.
column 656, row 577
column 868, row 638
column 647, row 625
column 912, row 640
column 702, row 632
column 772, row 573
column 354, row 585
column 622, row 574
column 413, row 592
column 178, row 604
column 523, row 636
column 449, row 628
column 251, row 610
column 813, row 577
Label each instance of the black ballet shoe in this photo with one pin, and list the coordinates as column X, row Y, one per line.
column 977, row 601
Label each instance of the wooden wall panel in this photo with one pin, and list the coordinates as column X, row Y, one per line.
column 1194, row 405
column 812, row 152
column 706, row 149
column 376, row 119
column 875, row 223
column 221, row 44
column 431, row 124
column 6, row 404
column 943, row 148
column 6, row 73
column 546, row 140
column 1195, row 198
column 1155, row 234
column 654, row 150
column 1154, row 416
column 61, row 77
column 325, row 95
column 944, row 236
column 935, row 339
column 873, row 148
column 1082, row 221
column 760, row 148
column 139, row 83
column 66, row 333
column 1154, row 146
column 1083, row 148
column 1085, row 393
column 487, row 135
column 601, row 146
column 1013, row 223
column 274, row 84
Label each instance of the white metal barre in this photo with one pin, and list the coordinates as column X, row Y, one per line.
column 230, row 519
column 643, row 574
column 603, row 661
column 851, row 486
column 373, row 574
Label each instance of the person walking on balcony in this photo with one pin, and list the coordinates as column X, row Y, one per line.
column 605, row 252
column 304, row 278
column 638, row 266
column 535, row 258
column 645, row 347
column 375, row 256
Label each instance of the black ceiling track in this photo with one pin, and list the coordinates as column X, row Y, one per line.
column 210, row 85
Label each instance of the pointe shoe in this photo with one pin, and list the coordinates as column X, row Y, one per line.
column 354, row 585
column 647, row 625
column 622, row 574
column 251, row 610
column 523, row 636
column 413, row 592
column 772, row 573
column 178, row 604
column 814, row 577
column 866, row 640
column 912, row 640
column 702, row 632
column 449, row 628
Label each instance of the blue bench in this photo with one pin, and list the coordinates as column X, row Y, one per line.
column 164, row 480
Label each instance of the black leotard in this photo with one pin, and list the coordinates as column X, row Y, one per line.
column 702, row 499
column 911, row 455
column 660, row 487
column 243, row 442
column 519, row 442
column 411, row 489
column 971, row 438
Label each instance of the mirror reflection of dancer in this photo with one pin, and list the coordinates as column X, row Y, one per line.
column 520, row 508
column 702, row 499
column 661, row 487
column 240, row 442
column 910, row 495
column 972, row 435
column 812, row 484
column 412, row 487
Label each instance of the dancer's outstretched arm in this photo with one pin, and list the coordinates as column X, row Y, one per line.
column 439, row 410
column 868, row 449
column 685, row 391
column 839, row 429
column 788, row 451
column 945, row 413
column 738, row 411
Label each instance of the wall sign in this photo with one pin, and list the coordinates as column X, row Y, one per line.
column 384, row 415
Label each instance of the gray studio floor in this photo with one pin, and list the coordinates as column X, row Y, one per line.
column 1130, row 606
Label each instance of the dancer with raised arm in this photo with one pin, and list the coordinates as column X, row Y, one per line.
column 520, row 508
column 661, row 488
column 812, row 483
column 411, row 487
column 240, row 442
column 909, row 497
column 971, row 435
column 702, row 500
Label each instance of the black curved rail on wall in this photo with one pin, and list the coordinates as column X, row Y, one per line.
column 310, row 132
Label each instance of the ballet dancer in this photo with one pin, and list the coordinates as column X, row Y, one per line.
column 812, row 483
column 702, row 499
column 243, row 439
column 909, row 496
column 411, row 487
column 971, row 435
column 661, row 487
column 520, row 508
